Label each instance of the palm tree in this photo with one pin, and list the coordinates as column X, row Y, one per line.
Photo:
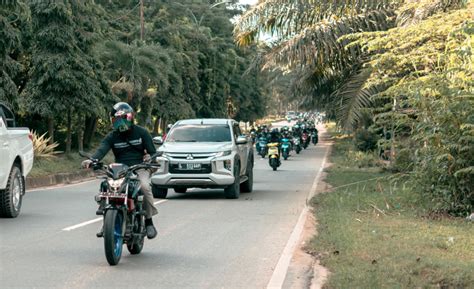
column 309, row 38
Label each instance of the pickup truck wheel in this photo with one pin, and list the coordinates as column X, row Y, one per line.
column 159, row 193
column 233, row 191
column 180, row 190
column 247, row 186
column 11, row 197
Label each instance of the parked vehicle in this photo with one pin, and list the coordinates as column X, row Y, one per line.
column 205, row 153
column 285, row 148
column 297, row 144
column 273, row 156
column 261, row 146
column 314, row 137
column 16, row 161
column 121, row 203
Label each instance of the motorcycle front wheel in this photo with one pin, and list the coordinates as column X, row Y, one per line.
column 136, row 245
column 113, row 237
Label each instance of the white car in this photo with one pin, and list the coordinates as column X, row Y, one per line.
column 291, row 115
column 204, row 153
column 16, row 155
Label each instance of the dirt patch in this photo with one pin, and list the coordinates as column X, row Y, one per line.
column 305, row 270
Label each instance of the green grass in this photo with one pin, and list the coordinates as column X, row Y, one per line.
column 376, row 233
column 60, row 164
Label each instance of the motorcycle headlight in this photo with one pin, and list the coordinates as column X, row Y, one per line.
column 115, row 184
column 223, row 154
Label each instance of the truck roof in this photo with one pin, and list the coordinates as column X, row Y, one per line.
column 206, row 121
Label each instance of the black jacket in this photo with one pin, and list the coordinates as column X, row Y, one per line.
column 129, row 147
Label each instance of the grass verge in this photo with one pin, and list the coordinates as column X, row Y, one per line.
column 374, row 232
column 60, row 164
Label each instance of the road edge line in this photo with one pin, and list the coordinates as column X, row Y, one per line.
column 281, row 269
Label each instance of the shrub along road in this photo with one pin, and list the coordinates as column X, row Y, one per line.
column 204, row 241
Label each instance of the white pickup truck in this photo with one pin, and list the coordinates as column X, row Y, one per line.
column 16, row 161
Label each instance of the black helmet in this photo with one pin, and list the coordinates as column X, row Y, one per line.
column 122, row 116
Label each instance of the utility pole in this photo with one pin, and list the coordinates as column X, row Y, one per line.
column 142, row 24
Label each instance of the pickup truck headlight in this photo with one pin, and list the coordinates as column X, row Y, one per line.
column 224, row 153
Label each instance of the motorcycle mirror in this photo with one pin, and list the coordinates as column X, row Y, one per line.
column 84, row 154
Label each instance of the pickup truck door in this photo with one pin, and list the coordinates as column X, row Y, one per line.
column 243, row 149
column 5, row 161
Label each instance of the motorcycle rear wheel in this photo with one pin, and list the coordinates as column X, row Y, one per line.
column 113, row 237
column 274, row 164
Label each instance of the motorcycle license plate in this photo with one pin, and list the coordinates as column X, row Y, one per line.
column 272, row 151
column 189, row 166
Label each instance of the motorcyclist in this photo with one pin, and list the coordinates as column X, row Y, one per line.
column 275, row 137
column 168, row 128
column 131, row 145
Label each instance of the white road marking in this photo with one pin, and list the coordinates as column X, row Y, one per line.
column 279, row 274
column 97, row 220
column 60, row 186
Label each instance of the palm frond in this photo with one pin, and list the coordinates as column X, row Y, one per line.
column 285, row 18
column 416, row 10
column 353, row 96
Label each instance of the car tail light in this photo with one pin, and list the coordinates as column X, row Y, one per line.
column 30, row 136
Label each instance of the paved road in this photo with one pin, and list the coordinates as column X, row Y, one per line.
column 204, row 241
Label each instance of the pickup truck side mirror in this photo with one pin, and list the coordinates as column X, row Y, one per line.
column 241, row 140
column 158, row 140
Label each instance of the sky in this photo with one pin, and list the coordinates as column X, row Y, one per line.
column 248, row 1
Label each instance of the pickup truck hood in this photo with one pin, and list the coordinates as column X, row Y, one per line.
column 195, row 147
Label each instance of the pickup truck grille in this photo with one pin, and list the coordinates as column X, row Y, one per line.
column 205, row 169
column 185, row 156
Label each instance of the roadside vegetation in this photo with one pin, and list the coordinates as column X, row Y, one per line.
column 64, row 63
column 376, row 230
column 397, row 75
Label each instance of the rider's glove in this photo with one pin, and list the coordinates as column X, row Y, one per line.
column 86, row 164
column 146, row 158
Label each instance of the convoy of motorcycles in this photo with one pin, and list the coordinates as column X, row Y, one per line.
column 276, row 143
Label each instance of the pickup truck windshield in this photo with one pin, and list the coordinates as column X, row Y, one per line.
column 200, row 133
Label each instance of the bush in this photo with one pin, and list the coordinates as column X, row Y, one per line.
column 365, row 140
column 403, row 161
column 42, row 148
column 362, row 159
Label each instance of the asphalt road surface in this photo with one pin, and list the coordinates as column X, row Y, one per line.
column 204, row 240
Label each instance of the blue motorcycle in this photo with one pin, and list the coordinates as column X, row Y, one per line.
column 285, row 148
column 261, row 146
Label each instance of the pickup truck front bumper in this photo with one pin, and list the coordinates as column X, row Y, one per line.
column 220, row 174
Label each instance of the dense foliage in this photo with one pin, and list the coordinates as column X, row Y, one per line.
column 64, row 63
column 402, row 70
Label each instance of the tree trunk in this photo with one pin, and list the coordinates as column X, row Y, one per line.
column 90, row 125
column 80, row 133
column 69, row 132
column 51, row 129
column 156, row 126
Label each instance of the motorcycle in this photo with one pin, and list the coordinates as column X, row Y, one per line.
column 261, row 146
column 273, row 156
column 305, row 140
column 253, row 136
column 121, row 203
column 285, row 148
column 314, row 137
column 297, row 144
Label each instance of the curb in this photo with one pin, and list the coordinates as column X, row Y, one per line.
column 58, row 179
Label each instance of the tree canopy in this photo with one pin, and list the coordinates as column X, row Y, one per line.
column 64, row 63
